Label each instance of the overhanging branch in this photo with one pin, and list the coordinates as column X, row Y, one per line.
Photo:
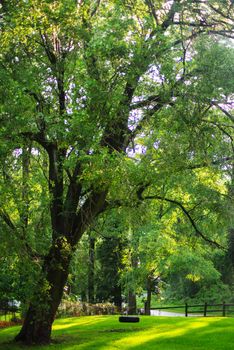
column 229, row 115
column 185, row 211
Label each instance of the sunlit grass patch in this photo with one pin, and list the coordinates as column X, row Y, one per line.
column 161, row 333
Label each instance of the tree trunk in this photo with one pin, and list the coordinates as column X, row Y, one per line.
column 148, row 302
column 91, row 270
column 118, row 297
column 131, row 303
column 229, row 263
column 48, row 294
column 50, row 286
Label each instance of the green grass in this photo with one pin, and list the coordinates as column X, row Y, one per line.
column 161, row 333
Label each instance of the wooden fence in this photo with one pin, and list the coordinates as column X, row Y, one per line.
column 205, row 309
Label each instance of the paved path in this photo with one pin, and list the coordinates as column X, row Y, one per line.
column 170, row 314
column 165, row 313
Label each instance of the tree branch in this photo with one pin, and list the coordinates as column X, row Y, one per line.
column 229, row 115
column 214, row 162
column 6, row 218
column 93, row 206
column 39, row 138
column 185, row 211
column 151, row 7
column 95, row 9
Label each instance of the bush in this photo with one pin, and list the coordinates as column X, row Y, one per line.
column 70, row 308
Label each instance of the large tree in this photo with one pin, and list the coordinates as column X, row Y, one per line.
column 80, row 82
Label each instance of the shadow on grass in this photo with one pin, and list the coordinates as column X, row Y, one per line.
column 106, row 333
column 166, row 334
column 202, row 334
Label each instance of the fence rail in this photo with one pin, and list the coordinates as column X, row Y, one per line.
column 202, row 309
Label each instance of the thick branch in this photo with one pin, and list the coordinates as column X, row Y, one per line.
column 94, row 205
column 6, row 218
column 48, row 49
column 39, row 137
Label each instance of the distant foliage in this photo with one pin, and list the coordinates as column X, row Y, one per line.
column 5, row 324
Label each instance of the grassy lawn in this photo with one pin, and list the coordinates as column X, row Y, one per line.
column 161, row 333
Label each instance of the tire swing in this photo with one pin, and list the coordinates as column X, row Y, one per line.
column 129, row 319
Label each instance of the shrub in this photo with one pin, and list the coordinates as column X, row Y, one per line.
column 70, row 308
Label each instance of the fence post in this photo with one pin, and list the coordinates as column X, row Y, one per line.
column 205, row 309
column 224, row 309
column 186, row 310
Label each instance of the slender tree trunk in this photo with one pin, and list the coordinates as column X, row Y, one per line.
column 131, row 303
column 230, row 257
column 229, row 263
column 83, row 296
column 119, row 265
column 91, row 269
column 118, row 297
column 148, row 300
column 48, row 294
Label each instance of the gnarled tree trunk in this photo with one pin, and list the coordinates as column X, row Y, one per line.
column 48, row 293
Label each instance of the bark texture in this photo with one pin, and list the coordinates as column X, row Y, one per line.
column 131, row 303
column 49, row 290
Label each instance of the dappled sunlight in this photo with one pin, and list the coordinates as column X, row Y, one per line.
column 190, row 330
column 78, row 321
column 149, row 332
column 159, row 332
column 10, row 330
column 106, row 333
